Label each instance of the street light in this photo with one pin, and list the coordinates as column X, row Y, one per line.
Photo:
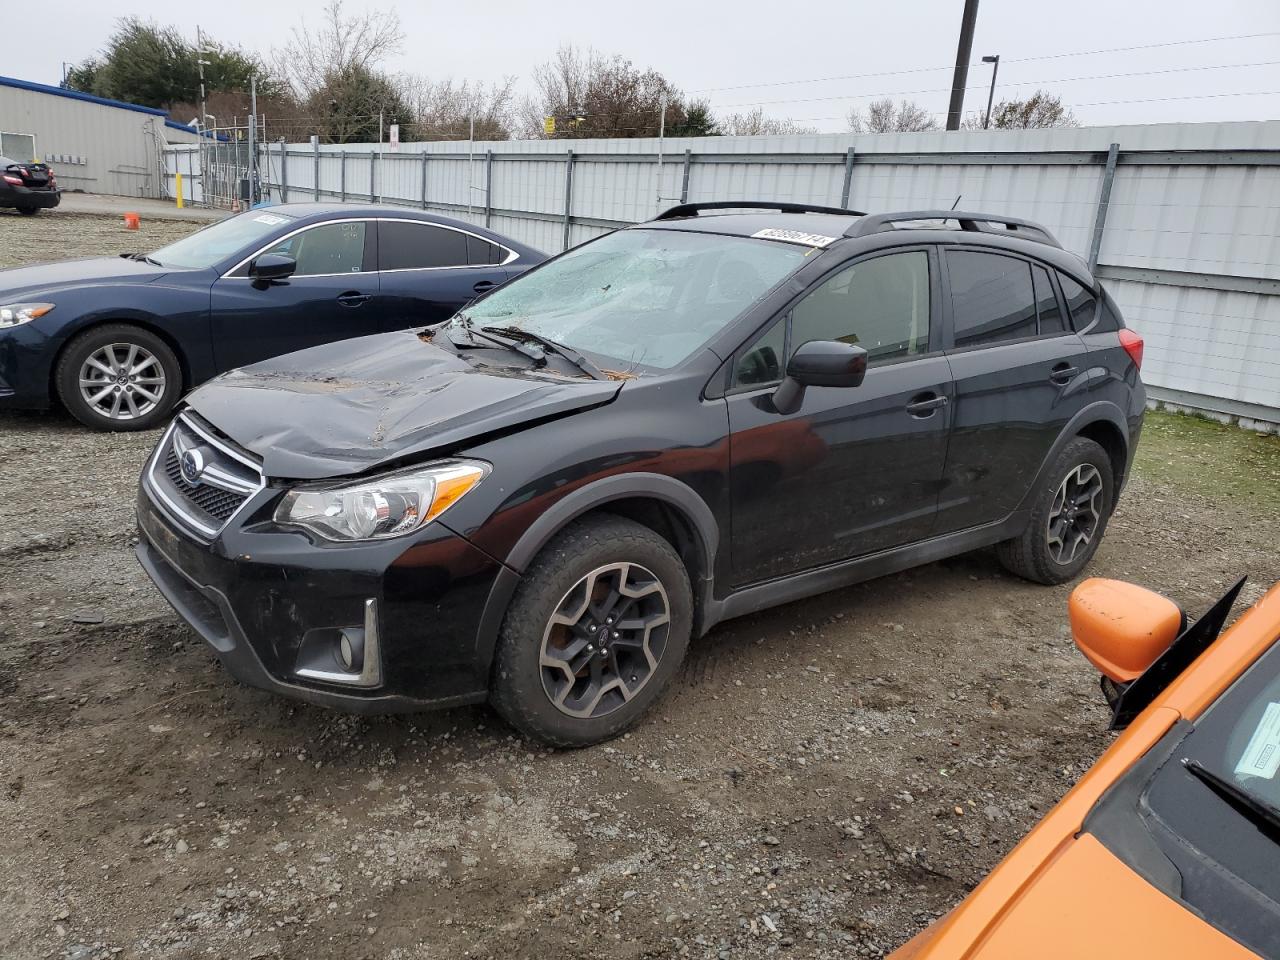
column 995, row 68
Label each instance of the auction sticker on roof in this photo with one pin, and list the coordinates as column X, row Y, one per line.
column 1262, row 755
column 270, row 219
column 795, row 236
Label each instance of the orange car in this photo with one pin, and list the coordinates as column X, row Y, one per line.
column 1169, row 847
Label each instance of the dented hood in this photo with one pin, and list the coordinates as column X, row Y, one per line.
column 347, row 407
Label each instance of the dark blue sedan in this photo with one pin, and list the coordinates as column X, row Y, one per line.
column 118, row 340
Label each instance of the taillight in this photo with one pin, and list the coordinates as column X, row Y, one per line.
column 9, row 178
column 1132, row 344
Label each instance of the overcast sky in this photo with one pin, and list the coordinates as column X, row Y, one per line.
column 763, row 48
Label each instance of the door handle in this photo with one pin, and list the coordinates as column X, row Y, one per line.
column 1062, row 374
column 923, row 405
column 484, row 286
column 353, row 298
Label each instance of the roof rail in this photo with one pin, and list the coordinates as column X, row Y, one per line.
column 693, row 209
column 973, row 222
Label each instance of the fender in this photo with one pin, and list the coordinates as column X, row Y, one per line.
column 1100, row 410
column 655, row 486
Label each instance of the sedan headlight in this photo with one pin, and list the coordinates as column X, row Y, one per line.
column 12, row 314
column 385, row 507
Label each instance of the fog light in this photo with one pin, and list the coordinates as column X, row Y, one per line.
column 351, row 650
column 346, row 655
column 344, row 650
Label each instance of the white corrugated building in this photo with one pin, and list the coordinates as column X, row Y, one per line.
column 93, row 144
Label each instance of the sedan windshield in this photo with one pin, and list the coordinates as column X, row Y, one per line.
column 226, row 238
column 640, row 298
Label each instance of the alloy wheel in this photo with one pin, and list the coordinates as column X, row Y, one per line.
column 604, row 640
column 1076, row 513
column 122, row 381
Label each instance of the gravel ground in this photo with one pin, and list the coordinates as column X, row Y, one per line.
column 822, row 780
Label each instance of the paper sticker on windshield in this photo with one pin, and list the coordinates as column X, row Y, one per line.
column 795, row 236
column 269, row 220
column 1262, row 755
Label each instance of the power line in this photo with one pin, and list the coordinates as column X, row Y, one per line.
column 1020, row 83
column 1048, row 56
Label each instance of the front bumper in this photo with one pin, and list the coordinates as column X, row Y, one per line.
column 16, row 196
column 26, row 362
column 261, row 596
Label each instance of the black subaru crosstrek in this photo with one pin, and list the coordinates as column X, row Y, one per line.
column 540, row 501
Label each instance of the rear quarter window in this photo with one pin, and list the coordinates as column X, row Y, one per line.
column 1082, row 305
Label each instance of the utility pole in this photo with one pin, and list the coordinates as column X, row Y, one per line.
column 662, row 132
column 995, row 68
column 961, row 76
column 253, row 129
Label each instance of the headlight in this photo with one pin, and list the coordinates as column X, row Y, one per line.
column 386, row 507
column 12, row 314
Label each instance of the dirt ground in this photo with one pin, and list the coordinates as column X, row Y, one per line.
column 822, row 780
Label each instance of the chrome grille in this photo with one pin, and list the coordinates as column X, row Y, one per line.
column 226, row 479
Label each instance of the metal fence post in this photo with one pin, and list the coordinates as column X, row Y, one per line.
column 284, row 172
column 373, row 175
column 848, row 179
column 424, row 179
column 684, row 182
column 315, row 149
column 488, row 186
column 568, row 197
column 1104, row 201
column 342, row 174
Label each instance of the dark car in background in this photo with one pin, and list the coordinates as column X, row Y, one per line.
column 28, row 187
column 117, row 340
column 541, row 501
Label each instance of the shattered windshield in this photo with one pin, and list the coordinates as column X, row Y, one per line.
column 640, row 298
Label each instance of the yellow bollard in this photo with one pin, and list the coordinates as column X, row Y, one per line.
column 177, row 188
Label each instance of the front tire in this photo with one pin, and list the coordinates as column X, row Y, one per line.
column 119, row 377
column 594, row 633
column 1068, row 516
column 28, row 211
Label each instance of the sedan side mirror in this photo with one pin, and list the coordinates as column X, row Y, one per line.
column 819, row 363
column 272, row 266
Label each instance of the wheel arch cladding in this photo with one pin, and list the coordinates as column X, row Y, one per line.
column 670, row 508
column 183, row 363
column 1111, row 438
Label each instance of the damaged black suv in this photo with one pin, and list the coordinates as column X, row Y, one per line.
column 540, row 501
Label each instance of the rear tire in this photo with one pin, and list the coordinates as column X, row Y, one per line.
column 28, row 211
column 1069, row 515
column 118, row 377
column 594, row 633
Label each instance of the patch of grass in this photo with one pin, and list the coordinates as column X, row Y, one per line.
column 1212, row 459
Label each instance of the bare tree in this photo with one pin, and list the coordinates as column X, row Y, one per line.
column 754, row 123
column 444, row 109
column 1041, row 109
column 340, row 46
column 589, row 94
column 883, row 116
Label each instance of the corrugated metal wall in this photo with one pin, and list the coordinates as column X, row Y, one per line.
column 112, row 150
column 1189, row 249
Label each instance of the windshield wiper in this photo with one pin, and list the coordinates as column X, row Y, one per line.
column 1254, row 809
column 146, row 259
column 573, row 356
column 536, row 354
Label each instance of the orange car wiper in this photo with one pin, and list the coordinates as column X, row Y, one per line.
column 1256, row 810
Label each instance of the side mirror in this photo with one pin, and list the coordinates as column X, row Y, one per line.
column 819, row 363
column 272, row 266
column 1122, row 628
column 1140, row 640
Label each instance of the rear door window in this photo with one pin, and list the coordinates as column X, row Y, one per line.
column 992, row 298
column 404, row 245
column 1047, row 302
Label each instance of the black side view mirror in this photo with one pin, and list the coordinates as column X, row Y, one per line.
column 819, row 363
column 272, row 266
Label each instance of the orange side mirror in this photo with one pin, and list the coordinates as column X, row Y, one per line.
column 1122, row 628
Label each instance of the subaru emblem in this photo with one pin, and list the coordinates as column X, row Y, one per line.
column 192, row 465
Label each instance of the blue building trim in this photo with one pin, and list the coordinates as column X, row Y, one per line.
column 77, row 95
